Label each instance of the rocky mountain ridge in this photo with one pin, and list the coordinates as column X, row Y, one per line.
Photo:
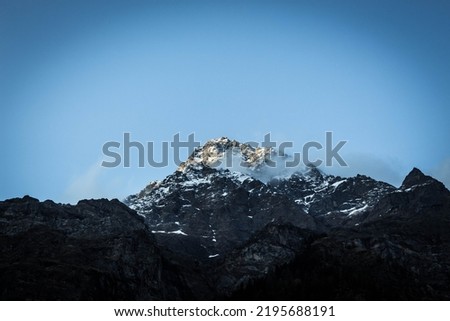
column 212, row 232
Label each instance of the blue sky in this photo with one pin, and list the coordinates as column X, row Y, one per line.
column 76, row 74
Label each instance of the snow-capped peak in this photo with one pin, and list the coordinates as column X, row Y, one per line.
column 223, row 152
column 262, row 163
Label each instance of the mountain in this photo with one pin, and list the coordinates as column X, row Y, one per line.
column 232, row 223
column 210, row 209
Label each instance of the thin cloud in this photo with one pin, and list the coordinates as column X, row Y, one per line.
column 442, row 172
column 87, row 185
column 370, row 165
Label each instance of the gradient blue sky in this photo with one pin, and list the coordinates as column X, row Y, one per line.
column 75, row 74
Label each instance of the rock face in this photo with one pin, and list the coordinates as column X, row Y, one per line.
column 399, row 249
column 246, row 231
column 96, row 250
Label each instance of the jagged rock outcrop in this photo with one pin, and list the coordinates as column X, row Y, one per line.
column 96, row 250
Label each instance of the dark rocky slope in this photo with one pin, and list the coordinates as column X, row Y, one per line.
column 96, row 250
